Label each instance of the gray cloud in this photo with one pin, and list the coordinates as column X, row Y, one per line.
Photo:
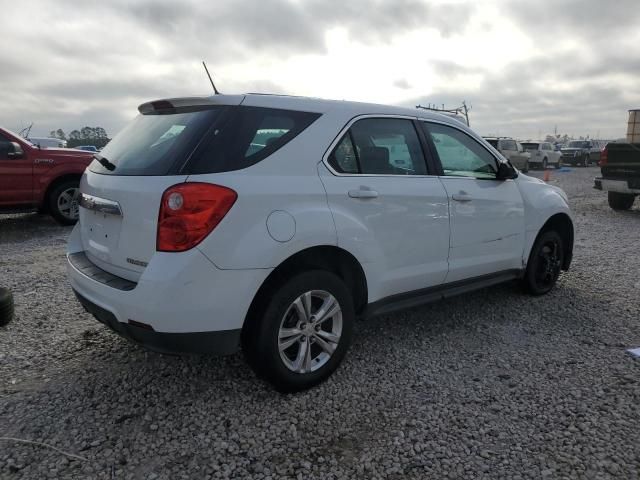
column 519, row 102
column 93, row 65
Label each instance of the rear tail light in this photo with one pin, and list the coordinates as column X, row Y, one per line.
column 604, row 156
column 189, row 212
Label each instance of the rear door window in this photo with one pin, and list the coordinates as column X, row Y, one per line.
column 380, row 146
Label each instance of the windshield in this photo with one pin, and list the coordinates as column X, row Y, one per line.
column 578, row 144
column 530, row 146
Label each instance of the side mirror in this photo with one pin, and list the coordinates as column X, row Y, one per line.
column 506, row 171
column 15, row 151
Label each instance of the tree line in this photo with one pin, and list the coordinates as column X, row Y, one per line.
column 96, row 136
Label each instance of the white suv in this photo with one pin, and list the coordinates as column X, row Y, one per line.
column 272, row 222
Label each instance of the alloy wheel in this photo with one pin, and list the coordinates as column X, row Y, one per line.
column 310, row 331
column 68, row 203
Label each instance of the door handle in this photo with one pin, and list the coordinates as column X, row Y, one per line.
column 461, row 197
column 363, row 192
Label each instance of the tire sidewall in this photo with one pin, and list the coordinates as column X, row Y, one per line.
column 6, row 306
column 266, row 342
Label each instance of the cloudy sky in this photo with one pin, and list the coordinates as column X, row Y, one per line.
column 525, row 66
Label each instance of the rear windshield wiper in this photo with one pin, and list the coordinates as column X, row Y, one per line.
column 105, row 163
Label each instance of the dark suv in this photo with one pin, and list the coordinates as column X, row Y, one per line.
column 577, row 153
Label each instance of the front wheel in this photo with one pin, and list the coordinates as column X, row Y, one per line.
column 586, row 161
column 544, row 164
column 525, row 169
column 620, row 201
column 64, row 202
column 545, row 262
column 303, row 333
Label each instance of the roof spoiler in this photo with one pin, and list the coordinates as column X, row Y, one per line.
column 173, row 103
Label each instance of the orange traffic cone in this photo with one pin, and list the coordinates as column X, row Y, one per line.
column 547, row 175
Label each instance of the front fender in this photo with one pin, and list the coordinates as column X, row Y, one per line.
column 541, row 201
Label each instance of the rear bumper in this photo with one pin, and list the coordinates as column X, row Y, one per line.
column 619, row 186
column 182, row 303
column 224, row 342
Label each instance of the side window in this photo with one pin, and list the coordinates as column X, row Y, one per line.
column 244, row 136
column 5, row 144
column 509, row 145
column 270, row 130
column 380, row 146
column 343, row 158
column 460, row 155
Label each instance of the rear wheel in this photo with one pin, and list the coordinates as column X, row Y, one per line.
column 545, row 263
column 620, row 201
column 586, row 161
column 64, row 202
column 525, row 169
column 544, row 164
column 303, row 333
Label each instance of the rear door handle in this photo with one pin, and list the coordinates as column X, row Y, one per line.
column 363, row 192
column 461, row 197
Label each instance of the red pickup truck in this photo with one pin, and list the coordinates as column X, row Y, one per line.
column 43, row 179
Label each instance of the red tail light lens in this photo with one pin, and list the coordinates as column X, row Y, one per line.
column 189, row 212
column 604, row 156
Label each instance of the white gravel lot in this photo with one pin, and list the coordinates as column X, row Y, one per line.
column 494, row 384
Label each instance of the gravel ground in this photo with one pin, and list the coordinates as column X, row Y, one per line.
column 492, row 385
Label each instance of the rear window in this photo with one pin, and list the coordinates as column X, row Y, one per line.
column 493, row 143
column 199, row 140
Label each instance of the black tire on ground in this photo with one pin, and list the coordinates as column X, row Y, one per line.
column 6, row 306
column 61, row 197
column 545, row 262
column 544, row 164
column 261, row 336
column 620, row 201
column 525, row 169
column 586, row 161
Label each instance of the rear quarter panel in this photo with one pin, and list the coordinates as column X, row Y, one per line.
column 286, row 182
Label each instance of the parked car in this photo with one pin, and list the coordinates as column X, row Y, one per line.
column 46, row 142
column 87, row 148
column 542, row 154
column 578, row 153
column 620, row 169
column 196, row 237
column 510, row 150
column 45, row 179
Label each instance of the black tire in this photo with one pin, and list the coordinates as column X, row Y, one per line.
column 544, row 164
column 586, row 161
column 525, row 169
column 6, row 306
column 58, row 197
column 620, row 201
column 545, row 263
column 261, row 336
